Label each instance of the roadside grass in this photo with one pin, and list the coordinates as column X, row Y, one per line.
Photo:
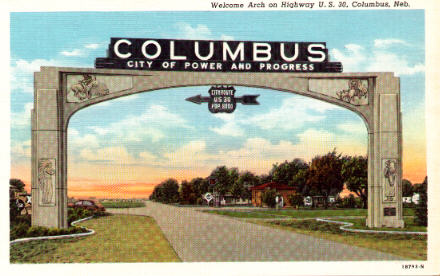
column 118, row 238
column 410, row 225
column 298, row 213
column 411, row 247
column 244, row 214
column 122, row 204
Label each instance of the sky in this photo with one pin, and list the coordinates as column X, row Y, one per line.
column 123, row 147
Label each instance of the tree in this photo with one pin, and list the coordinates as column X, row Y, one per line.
column 285, row 173
column 237, row 189
column 296, row 200
column 166, row 192
column 422, row 208
column 187, row 193
column 325, row 174
column 16, row 184
column 200, row 186
column 268, row 197
column 300, row 180
column 349, row 201
column 225, row 178
column 265, row 178
column 407, row 188
column 247, row 180
column 355, row 174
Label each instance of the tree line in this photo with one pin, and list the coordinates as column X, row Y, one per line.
column 324, row 175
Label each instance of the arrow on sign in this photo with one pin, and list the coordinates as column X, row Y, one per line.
column 248, row 99
column 198, row 99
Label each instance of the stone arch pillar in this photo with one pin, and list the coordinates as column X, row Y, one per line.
column 385, row 155
column 58, row 94
column 49, row 190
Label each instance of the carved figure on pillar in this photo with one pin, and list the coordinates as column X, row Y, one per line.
column 46, row 180
column 390, row 174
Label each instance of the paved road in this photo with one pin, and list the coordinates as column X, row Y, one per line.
column 202, row 237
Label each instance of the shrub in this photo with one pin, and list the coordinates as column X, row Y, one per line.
column 296, row 200
column 19, row 230
column 199, row 201
column 268, row 197
column 13, row 210
column 349, row 202
column 35, row 231
column 74, row 214
column 421, row 211
column 54, row 231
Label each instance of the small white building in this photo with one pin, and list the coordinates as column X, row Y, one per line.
column 416, row 198
column 406, row 199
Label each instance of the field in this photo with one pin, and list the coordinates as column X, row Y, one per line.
column 300, row 213
column 122, row 204
column 411, row 247
column 118, row 238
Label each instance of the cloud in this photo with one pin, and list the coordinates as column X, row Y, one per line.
column 80, row 142
column 147, row 157
column 151, row 124
column 229, row 129
column 191, row 155
column 116, row 154
column 356, row 58
column 385, row 43
column 351, row 58
column 357, row 128
column 200, row 31
column 22, row 119
column 92, row 46
column 293, row 113
column 226, row 37
column 22, row 71
column 259, row 154
column 99, row 130
column 388, row 62
column 81, row 52
column 73, row 53
column 21, row 149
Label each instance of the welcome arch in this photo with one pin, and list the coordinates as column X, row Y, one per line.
column 58, row 94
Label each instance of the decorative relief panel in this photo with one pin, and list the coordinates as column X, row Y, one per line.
column 47, row 181
column 84, row 87
column 390, row 174
column 354, row 91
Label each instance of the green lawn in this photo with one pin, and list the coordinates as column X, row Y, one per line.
column 122, row 204
column 118, row 238
column 411, row 247
column 409, row 225
column 298, row 213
